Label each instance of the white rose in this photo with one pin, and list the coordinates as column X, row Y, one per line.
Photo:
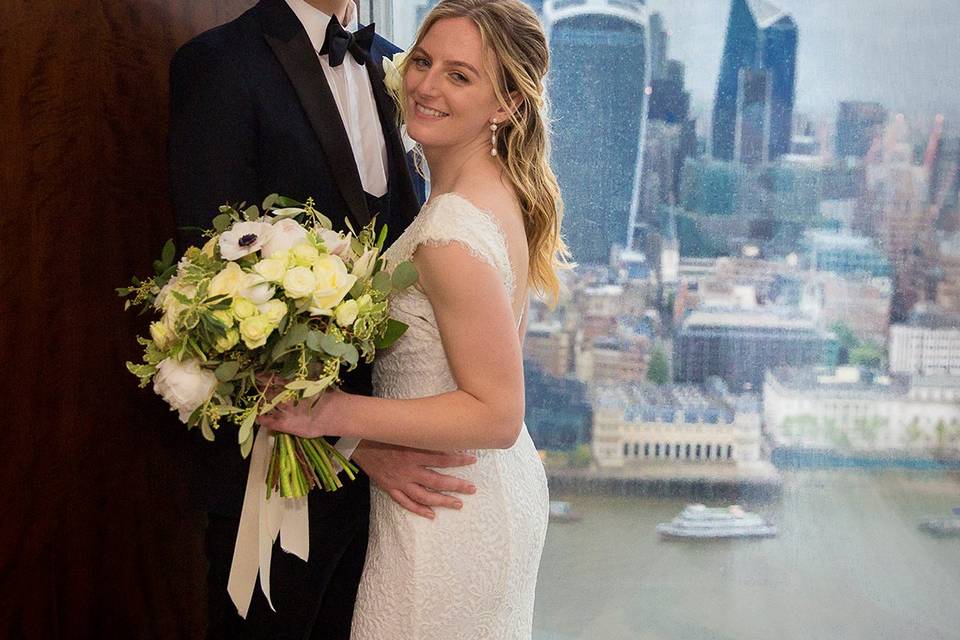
column 273, row 310
column 228, row 282
column 299, row 282
column 255, row 330
column 347, row 312
column 228, row 341
column 272, row 269
column 336, row 243
column 333, row 283
column 184, row 385
column 162, row 335
column 287, row 233
column 256, row 288
column 243, row 308
column 304, row 254
column 244, row 238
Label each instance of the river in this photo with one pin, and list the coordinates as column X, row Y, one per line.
column 849, row 563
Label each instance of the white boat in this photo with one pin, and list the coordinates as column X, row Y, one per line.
column 699, row 521
column 560, row 512
column 943, row 527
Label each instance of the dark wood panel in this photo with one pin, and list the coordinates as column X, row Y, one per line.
column 97, row 536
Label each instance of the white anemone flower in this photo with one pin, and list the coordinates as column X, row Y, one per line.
column 244, row 238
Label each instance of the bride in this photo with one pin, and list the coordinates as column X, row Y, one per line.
column 473, row 99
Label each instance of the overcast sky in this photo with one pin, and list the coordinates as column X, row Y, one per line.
column 902, row 53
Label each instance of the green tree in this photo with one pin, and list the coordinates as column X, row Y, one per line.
column 867, row 354
column 848, row 341
column 658, row 370
column 581, row 457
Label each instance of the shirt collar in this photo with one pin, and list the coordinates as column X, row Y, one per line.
column 315, row 21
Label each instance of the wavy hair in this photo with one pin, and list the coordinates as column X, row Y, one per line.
column 512, row 31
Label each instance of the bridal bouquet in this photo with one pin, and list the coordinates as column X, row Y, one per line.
column 272, row 295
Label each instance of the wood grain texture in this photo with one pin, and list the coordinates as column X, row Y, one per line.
column 97, row 538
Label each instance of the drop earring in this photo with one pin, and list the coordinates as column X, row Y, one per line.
column 493, row 138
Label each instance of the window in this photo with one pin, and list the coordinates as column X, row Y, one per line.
column 765, row 219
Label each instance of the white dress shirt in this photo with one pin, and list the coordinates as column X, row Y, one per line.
column 353, row 94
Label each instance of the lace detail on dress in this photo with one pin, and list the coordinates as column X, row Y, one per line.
column 468, row 574
column 450, row 218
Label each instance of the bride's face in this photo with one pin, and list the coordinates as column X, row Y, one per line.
column 450, row 96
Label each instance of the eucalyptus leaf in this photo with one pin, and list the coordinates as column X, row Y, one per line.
column 315, row 388
column 246, row 427
column 206, row 430
column 296, row 335
column 404, row 275
column 168, row 253
column 222, row 222
column 382, row 283
column 284, row 201
column 357, row 289
column 246, row 446
column 313, row 341
column 227, row 371
column 394, row 330
column 251, row 213
column 351, row 355
column 331, row 345
column 225, row 389
column 269, row 201
column 297, row 385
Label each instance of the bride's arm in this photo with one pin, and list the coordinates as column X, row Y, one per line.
column 479, row 334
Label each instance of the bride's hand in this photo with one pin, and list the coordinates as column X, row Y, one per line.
column 308, row 418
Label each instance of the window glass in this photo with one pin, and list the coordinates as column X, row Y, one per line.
column 762, row 199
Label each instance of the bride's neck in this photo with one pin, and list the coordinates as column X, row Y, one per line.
column 448, row 165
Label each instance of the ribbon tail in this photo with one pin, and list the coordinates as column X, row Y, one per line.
column 246, row 563
column 295, row 528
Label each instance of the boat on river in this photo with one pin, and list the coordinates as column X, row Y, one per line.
column 700, row 521
column 560, row 512
column 948, row 527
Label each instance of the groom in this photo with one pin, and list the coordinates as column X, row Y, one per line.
column 285, row 100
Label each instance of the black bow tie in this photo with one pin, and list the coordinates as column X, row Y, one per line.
column 338, row 41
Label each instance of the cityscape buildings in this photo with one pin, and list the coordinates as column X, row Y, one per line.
column 601, row 71
column 644, row 423
column 928, row 343
column 739, row 345
column 852, row 411
column 753, row 108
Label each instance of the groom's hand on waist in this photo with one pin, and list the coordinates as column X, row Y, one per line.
column 404, row 474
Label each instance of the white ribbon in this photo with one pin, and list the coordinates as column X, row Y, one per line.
column 262, row 519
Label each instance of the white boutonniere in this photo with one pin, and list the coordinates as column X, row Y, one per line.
column 393, row 81
column 391, row 74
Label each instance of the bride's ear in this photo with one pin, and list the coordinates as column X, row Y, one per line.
column 514, row 100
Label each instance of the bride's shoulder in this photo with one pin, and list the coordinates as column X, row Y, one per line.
column 485, row 207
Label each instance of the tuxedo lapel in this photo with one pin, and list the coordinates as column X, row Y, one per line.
column 291, row 45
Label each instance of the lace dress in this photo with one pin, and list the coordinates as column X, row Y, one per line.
column 470, row 573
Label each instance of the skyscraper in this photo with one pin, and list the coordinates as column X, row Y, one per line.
column 600, row 70
column 858, row 124
column 755, row 91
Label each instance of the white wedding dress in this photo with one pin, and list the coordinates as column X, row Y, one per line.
column 471, row 573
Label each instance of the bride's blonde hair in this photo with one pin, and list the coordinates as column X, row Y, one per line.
column 511, row 30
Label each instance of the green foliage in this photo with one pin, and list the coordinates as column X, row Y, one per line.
column 658, row 370
column 581, row 457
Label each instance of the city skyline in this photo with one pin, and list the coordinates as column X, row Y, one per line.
column 844, row 53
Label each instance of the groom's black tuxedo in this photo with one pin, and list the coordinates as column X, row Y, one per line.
column 252, row 114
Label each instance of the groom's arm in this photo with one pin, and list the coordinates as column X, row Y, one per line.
column 213, row 136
